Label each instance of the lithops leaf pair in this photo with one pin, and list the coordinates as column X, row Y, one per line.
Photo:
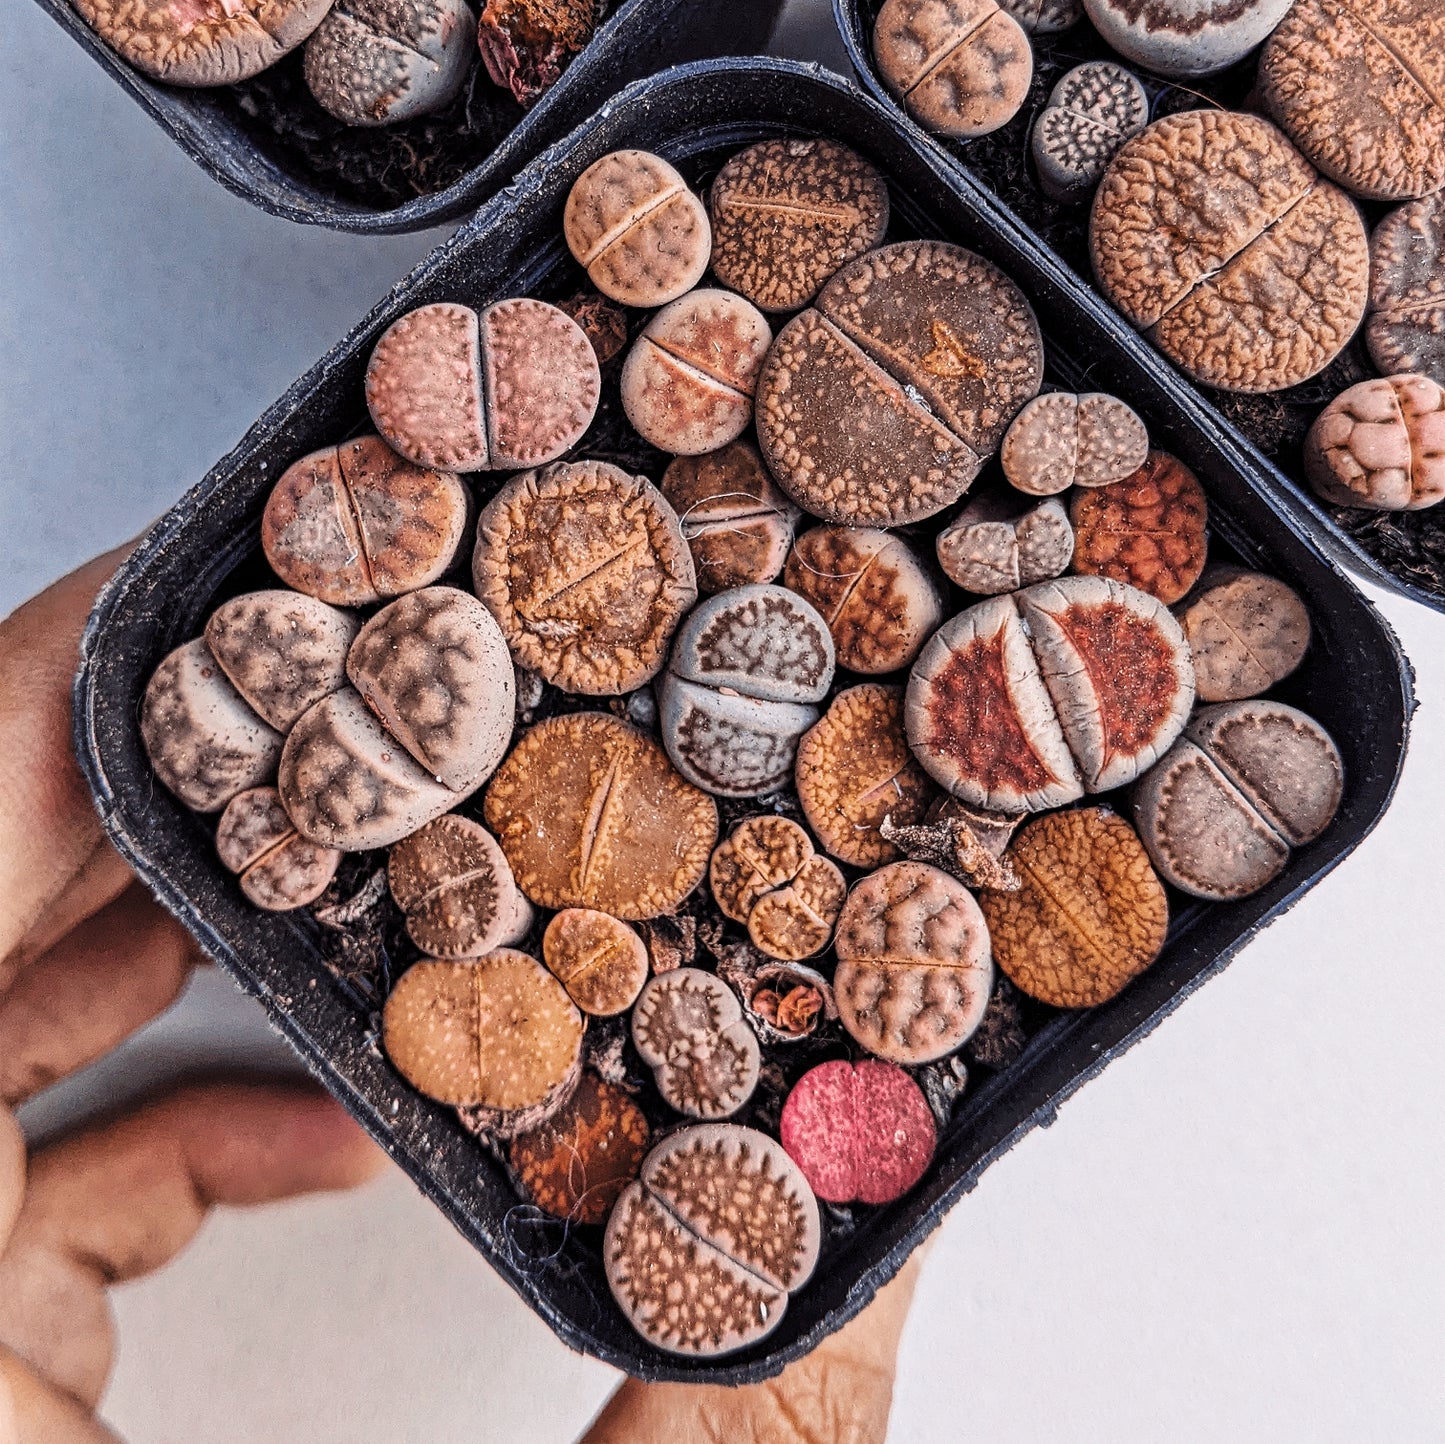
column 997, row 544
column 277, row 868
column 1060, row 439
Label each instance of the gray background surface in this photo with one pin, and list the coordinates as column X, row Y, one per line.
column 1233, row 1234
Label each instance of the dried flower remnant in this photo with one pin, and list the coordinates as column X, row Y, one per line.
column 527, row 44
column 601, row 961
column 1246, row 631
column 1405, row 329
column 1059, row 440
column 603, row 323
column 671, row 942
column 277, row 868
column 785, row 1001
column 952, row 844
column 997, row 544
column 1091, row 112
column 1183, row 38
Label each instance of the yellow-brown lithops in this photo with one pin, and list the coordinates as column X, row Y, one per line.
column 601, row 961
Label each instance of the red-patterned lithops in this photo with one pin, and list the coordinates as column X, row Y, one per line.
column 704, row 1249
column 859, row 1131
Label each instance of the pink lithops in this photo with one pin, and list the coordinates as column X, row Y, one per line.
column 859, row 1131
column 688, row 382
column 277, row 868
column 1060, row 440
column 203, row 739
column 995, row 544
column 703, row 1250
column 511, row 386
column 282, row 650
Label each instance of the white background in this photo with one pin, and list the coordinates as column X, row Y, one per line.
column 1234, row 1234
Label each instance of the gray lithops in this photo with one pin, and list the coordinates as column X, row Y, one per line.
column 1185, row 37
column 277, row 868
column 1059, row 440
column 704, row 1248
column 1090, row 113
column 1045, row 17
column 375, row 62
column 1248, row 781
column 1405, row 325
column 995, row 544
column 204, row 740
column 689, row 1028
column 747, row 670
column 282, row 650
column 1246, row 631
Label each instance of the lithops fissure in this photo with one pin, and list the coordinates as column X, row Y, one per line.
column 703, row 1251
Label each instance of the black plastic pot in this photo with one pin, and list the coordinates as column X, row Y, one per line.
column 638, row 38
column 1007, row 150
column 1355, row 680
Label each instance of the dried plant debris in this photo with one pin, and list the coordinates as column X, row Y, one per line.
column 951, row 843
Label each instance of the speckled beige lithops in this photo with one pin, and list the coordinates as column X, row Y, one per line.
column 1090, row 915
column 855, row 769
column 998, row 544
column 767, row 877
column 587, row 573
column 1060, row 440
column 277, row 868
column 1405, row 330
column 878, row 597
column 703, row 1251
column 591, row 813
column 202, row 42
column 788, row 214
column 1218, row 240
column 498, row 1032
column 1091, row 112
column 1246, row 631
column 688, row 1027
column 1360, row 87
column 601, row 961
column 1380, row 444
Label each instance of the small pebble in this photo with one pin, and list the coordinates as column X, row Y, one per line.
column 1182, row 38
column 997, row 544
column 277, row 868
column 1405, row 330
column 1246, row 631
column 601, row 961
column 1060, row 440
column 1091, row 112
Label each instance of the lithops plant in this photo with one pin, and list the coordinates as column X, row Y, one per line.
column 878, row 405
column 879, row 598
column 625, row 833
column 276, row 867
column 688, row 381
column 202, row 42
column 1027, row 701
column 356, row 523
column 376, row 62
column 688, row 1027
column 703, row 1250
column 746, row 672
column 997, row 543
column 1059, row 440
column 1405, row 329
column 587, row 573
column 1091, row 112
column 788, row 214
column 632, row 223
column 960, row 68
column 513, row 385
column 600, row 960
column 1090, row 914
column 1248, row 781
column 1246, row 631
column 203, row 739
column 914, row 973
column 1181, row 38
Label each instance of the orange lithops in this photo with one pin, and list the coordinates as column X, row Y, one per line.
column 1091, row 913
column 600, row 960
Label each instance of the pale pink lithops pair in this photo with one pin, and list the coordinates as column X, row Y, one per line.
column 747, row 670
column 1060, row 439
column 1028, row 701
column 999, row 544
column 703, row 1250
column 513, row 385
column 277, row 868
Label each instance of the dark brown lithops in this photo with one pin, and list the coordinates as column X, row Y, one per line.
column 1405, row 330
column 688, row 381
column 1218, row 240
column 376, row 62
column 1246, row 631
column 526, row 44
column 277, row 868
column 879, row 405
column 1185, row 37
column 452, row 881
column 876, row 594
column 587, row 573
column 513, row 385
column 746, row 672
column 1360, row 87
column 689, row 1028
column 1380, row 444
column 355, row 523
column 1247, row 782
column 1060, row 440
column 202, row 42
column 623, row 832
column 642, row 236
column 737, row 523
column 282, row 650
column 961, row 68
column 703, row 1251
column 1091, row 112
column 1089, row 916
column 1025, row 702
column 788, row 214
column 999, row 544
column 914, row 975
column 601, row 961
column 205, row 743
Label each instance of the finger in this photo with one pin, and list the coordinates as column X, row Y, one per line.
column 839, row 1394
column 94, row 988
column 12, row 1175
column 116, row 1201
column 46, row 817
column 40, row 1414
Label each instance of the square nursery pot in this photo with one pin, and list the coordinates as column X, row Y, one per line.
column 232, row 133
column 1266, row 431
column 1354, row 680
